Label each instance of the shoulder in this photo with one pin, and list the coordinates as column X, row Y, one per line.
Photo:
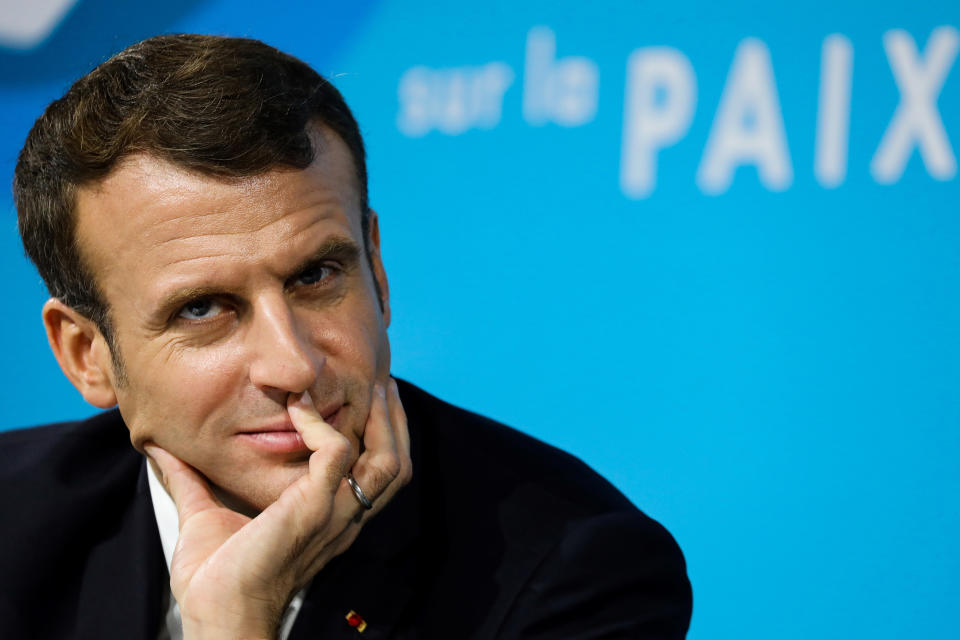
column 57, row 483
column 572, row 556
column 80, row 544
column 487, row 456
column 75, row 455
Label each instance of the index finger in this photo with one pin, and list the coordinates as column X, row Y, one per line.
column 332, row 446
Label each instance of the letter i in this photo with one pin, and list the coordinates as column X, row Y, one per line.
column 833, row 116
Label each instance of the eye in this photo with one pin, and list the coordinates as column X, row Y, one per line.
column 201, row 309
column 314, row 274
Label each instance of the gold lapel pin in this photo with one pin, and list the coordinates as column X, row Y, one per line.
column 356, row 621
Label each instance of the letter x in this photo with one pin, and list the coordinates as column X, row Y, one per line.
column 917, row 120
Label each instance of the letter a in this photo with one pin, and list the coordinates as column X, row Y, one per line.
column 748, row 127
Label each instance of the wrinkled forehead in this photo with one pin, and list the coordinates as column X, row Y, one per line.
column 145, row 203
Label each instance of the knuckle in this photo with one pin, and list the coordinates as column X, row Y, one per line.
column 337, row 448
column 341, row 448
column 334, row 459
column 381, row 480
column 383, row 469
column 406, row 471
column 392, row 465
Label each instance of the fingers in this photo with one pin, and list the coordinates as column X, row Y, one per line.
column 307, row 420
column 328, row 458
column 189, row 490
column 380, row 471
column 306, row 506
column 309, row 503
column 379, row 463
column 384, row 467
column 398, row 418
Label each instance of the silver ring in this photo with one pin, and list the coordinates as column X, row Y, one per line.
column 357, row 491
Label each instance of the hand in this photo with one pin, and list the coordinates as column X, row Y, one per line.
column 232, row 575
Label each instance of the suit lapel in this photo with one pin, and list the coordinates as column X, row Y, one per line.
column 123, row 588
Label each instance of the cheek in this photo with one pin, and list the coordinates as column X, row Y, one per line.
column 178, row 402
column 354, row 340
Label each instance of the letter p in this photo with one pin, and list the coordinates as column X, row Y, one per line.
column 661, row 95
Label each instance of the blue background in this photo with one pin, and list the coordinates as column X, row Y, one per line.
column 773, row 375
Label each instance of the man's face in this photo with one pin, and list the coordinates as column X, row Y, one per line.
column 228, row 296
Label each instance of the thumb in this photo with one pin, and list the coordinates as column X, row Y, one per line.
column 189, row 490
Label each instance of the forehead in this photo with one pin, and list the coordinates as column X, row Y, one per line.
column 147, row 207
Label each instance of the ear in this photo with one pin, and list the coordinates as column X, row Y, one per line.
column 82, row 352
column 376, row 263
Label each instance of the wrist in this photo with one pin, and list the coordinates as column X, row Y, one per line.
column 228, row 627
column 219, row 632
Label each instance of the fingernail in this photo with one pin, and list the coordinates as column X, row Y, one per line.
column 304, row 400
column 380, row 390
column 149, row 449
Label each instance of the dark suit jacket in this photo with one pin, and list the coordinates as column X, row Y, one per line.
column 497, row 536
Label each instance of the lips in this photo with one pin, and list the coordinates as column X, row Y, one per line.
column 275, row 441
column 281, row 437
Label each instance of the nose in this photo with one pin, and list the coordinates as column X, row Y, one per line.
column 283, row 358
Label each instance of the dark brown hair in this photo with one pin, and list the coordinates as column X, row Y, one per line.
column 227, row 107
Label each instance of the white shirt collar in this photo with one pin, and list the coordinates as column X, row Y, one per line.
column 168, row 524
column 166, row 513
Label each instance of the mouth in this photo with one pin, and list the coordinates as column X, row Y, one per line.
column 281, row 437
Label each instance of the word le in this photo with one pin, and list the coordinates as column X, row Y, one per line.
column 660, row 102
column 456, row 99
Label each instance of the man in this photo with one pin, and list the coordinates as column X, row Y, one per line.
column 197, row 207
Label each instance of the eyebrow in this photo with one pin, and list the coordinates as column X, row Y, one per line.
column 339, row 248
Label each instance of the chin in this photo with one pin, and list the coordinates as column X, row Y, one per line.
column 253, row 494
